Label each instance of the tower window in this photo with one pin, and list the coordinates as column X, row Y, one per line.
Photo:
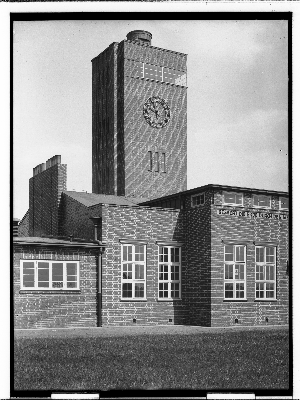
column 156, row 162
column 163, row 162
column 149, row 160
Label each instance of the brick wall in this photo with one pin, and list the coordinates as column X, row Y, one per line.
column 51, row 309
column 75, row 218
column 104, row 108
column 122, row 137
column 140, row 137
column 44, row 196
column 259, row 229
column 150, row 225
column 198, row 260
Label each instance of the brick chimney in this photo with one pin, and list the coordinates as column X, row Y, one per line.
column 45, row 188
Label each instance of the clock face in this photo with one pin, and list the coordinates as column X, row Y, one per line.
column 156, row 112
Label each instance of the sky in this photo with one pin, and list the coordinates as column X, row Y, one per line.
column 237, row 98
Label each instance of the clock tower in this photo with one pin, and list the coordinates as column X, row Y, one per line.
column 139, row 119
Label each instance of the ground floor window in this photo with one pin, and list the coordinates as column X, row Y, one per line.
column 133, row 271
column 49, row 275
column 265, row 272
column 169, row 272
column 234, row 272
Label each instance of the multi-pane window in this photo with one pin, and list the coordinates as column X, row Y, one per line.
column 234, row 272
column 231, row 198
column 198, row 200
column 283, row 203
column 261, row 201
column 265, row 272
column 139, row 69
column 152, row 72
column 169, row 272
column 133, row 271
column 45, row 275
column 157, row 161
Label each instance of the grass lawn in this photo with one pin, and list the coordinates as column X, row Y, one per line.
column 257, row 359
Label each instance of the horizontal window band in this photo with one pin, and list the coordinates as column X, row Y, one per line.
column 236, row 241
column 132, row 241
column 163, row 243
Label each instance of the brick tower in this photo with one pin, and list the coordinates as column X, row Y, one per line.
column 139, row 119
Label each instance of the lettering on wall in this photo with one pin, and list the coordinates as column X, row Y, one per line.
column 251, row 214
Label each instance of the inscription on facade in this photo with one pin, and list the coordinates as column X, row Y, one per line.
column 251, row 214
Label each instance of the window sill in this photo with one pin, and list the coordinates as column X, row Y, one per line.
column 232, row 205
column 168, row 299
column 50, row 291
column 264, row 300
column 235, row 300
column 131, row 300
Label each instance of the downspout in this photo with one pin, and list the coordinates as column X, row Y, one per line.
column 97, row 221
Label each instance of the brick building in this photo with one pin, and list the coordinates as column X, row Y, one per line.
column 142, row 249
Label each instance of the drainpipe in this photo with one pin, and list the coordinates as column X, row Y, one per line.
column 97, row 222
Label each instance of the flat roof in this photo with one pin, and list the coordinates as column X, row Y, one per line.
column 218, row 187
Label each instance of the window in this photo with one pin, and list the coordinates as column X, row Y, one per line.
column 49, row 275
column 169, row 272
column 150, row 71
column 133, row 271
column 265, row 272
column 163, row 162
column 234, row 272
column 232, row 198
column 156, row 162
column 261, row 201
column 283, row 203
column 198, row 200
column 150, row 160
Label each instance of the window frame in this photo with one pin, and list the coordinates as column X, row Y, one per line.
column 280, row 203
column 169, row 281
column 50, row 288
column 265, row 281
column 261, row 195
column 201, row 203
column 134, row 280
column 234, row 281
column 232, row 204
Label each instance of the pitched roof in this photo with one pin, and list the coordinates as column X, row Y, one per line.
column 92, row 199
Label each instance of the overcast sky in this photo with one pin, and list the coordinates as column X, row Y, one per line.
column 237, row 98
